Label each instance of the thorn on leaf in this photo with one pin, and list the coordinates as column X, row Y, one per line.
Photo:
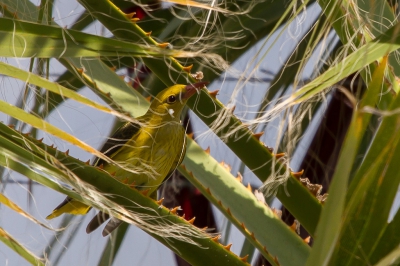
column 214, row 94
column 160, row 201
column 244, row 259
column 163, row 45
column 174, row 210
column 187, row 69
column 228, row 247
column 258, row 135
column 216, row 238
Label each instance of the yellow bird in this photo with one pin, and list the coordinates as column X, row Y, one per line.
column 145, row 153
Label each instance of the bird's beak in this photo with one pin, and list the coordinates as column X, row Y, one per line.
column 193, row 88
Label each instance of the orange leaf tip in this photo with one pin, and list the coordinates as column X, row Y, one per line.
column 160, row 201
column 219, row 203
column 242, row 225
column 208, row 190
column 11, row 126
column 307, row 240
column 249, row 187
column 113, row 173
column 190, row 135
column 174, row 210
column 145, row 192
column 113, row 68
column 204, row 228
column 148, row 99
column 216, row 238
column 163, row 45
column 191, row 221
column 125, row 181
column 130, row 15
column 134, row 20
column 244, row 259
column 40, row 140
column 297, row 174
column 294, row 226
column 87, row 162
column 279, row 155
column 101, row 166
column 214, row 94
column 226, row 166
column 183, row 216
column 258, row 135
column 231, row 110
column 148, row 34
column 228, row 247
column 207, row 150
column 132, row 185
column 229, row 211
column 67, row 152
column 80, row 70
column 187, row 68
column 253, row 236
column 239, row 177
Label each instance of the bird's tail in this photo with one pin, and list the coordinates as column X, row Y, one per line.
column 111, row 226
column 71, row 206
column 99, row 219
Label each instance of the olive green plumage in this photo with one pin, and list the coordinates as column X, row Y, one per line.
column 144, row 153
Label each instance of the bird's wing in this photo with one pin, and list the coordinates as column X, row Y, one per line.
column 179, row 157
column 178, row 160
column 114, row 222
column 117, row 140
column 112, row 145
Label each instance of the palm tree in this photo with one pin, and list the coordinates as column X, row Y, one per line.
column 281, row 88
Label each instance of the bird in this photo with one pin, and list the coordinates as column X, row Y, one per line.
column 145, row 153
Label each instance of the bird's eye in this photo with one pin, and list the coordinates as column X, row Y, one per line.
column 171, row 99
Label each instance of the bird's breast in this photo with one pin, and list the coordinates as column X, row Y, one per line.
column 167, row 146
column 151, row 155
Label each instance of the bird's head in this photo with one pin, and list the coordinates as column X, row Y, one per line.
column 170, row 102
